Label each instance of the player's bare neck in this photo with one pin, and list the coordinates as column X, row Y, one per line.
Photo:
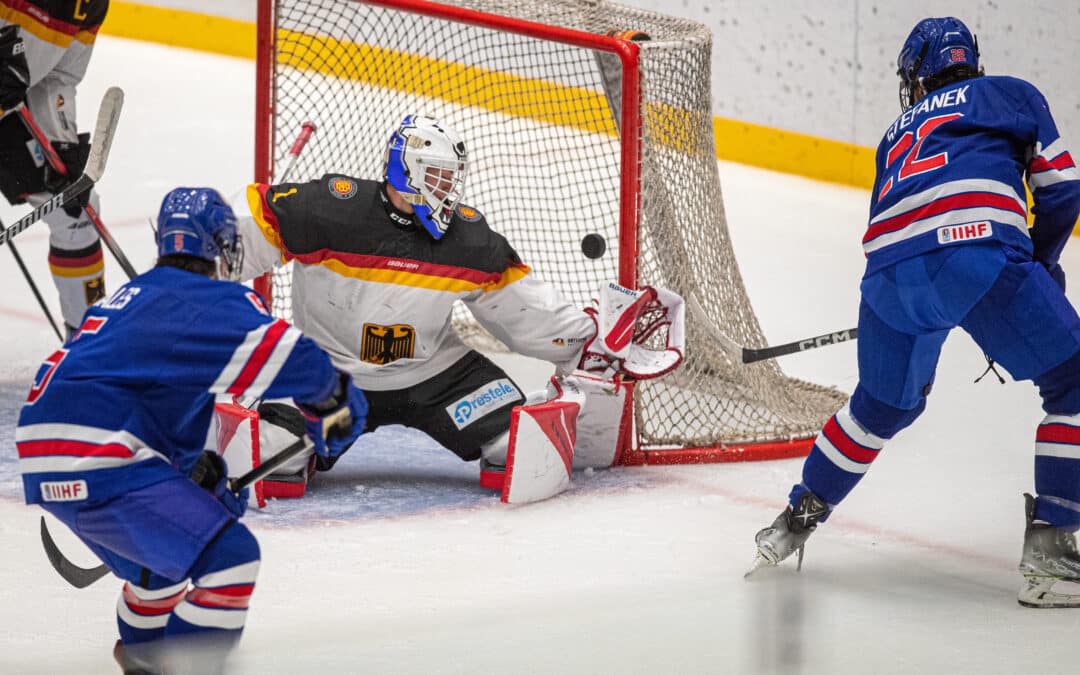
column 396, row 199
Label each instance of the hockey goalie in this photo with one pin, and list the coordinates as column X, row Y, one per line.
column 377, row 266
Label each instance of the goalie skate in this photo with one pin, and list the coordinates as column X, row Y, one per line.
column 788, row 533
column 1050, row 564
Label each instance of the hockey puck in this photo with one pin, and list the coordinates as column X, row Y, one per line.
column 593, row 245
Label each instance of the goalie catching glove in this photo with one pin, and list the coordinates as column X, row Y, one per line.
column 335, row 423
column 640, row 334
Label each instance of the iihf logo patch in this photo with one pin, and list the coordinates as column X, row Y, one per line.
column 342, row 188
column 954, row 233
column 958, row 55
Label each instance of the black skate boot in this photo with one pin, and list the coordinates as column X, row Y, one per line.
column 1049, row 557
column 789, row 532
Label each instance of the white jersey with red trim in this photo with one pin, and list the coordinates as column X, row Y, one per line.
column 377, row 292
column 951, row 170
column 128, row 401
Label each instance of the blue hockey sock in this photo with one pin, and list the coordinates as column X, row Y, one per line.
column 142, row 612
column 1057, row 471
column 841, row 455
column 223, row 580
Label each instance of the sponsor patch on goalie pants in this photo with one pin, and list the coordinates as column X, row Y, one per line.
column 428, row 406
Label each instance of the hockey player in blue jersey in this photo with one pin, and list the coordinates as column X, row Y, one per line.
column 948, row 245
column 111, row 438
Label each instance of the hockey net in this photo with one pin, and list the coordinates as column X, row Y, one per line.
column 569, row 133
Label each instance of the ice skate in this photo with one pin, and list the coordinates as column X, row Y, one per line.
column 1050, row 558
column 788, row 533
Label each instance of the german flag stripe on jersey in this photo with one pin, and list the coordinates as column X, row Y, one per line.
column 378, row 269
column 412, row 273
column 58, row 22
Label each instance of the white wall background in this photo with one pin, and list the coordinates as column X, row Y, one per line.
column 828, row 67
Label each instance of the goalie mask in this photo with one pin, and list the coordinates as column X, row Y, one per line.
column 199, row 223
column 426, row 163
column 936, row 53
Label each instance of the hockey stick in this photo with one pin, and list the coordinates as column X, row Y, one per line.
column 81, row 577
column 33, row 287
column 104, row 130
column 306, row 130
column 752, row 355
column 57, row 164
column 824, row 340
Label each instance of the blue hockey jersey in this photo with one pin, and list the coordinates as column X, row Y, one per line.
column 951, row 170
column 128, row 401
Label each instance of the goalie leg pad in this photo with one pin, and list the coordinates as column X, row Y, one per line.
column 540, row 455
column 603, row 422
column 541, row 451
column 246, row 436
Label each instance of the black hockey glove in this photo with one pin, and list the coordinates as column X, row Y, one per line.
column 210, row 474
column 74, row 156
column 14, row 73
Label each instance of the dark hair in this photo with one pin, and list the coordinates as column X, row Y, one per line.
column 950, row 75
column 188, row 263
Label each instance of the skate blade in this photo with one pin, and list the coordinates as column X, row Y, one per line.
column 759, row 562
column 1040, row 593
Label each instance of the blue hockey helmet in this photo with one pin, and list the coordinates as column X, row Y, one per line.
column 199, row 223
column 426, row 163
column 937, row 52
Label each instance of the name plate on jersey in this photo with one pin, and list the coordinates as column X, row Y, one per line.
column 64, row 491
column 950, row 234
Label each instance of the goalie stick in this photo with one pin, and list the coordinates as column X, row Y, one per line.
column 53, row 158
column 108, row 116
column 81, row 577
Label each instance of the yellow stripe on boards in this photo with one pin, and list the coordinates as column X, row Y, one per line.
column 180, row 28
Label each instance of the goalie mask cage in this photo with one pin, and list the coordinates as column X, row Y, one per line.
column 569, row 133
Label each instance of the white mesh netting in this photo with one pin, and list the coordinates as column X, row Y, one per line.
column 540, row 119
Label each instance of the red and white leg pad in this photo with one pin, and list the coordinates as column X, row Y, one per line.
column 540, row 454
column 242, row 436
column 581, row 425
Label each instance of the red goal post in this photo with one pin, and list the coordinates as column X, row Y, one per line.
column 571, row 133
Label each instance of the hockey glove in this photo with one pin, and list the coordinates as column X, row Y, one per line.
column 74, row 156
column 639, row 334
column 211, row 475
column 335, row 423
column 14, row 73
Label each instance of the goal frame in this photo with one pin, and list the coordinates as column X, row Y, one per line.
column 630, row 451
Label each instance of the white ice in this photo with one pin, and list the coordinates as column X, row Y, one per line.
column 399, row 563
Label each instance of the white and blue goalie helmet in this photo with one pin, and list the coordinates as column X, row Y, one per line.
column 426, row 163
